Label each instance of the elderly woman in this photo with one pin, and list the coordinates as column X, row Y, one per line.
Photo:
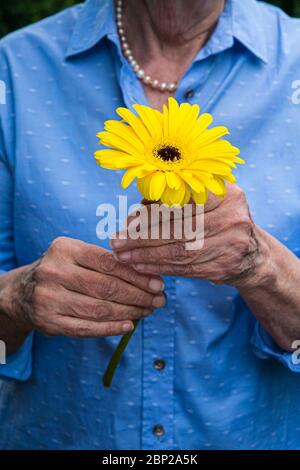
column 214, row 363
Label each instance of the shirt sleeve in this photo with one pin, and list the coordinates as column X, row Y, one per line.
column 265, row 347
column 18, row 364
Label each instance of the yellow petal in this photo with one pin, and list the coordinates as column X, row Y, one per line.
column 200, row 198
column 174, row 196
column 143, row 185
column 212, row 166
column 173, row 117
column 187, row 196
column 157, row 185
column 173, row 180
column 114, row 160
column 209, row 136
column 220, row 148
column 193, row 182
column 165, row 122
column 230, row 178
column 151, row 118
column 136, row 172
column 135, row 123
column 128, row 177
column 217, row 186
column 113, row 141
column 126, row 133
column 201, row 124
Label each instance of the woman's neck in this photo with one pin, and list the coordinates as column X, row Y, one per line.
column 166, row 35
column 171, row 27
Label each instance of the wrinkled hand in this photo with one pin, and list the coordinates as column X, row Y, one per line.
column 79, row 290
column 230, row 254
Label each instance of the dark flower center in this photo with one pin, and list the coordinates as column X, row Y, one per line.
column 168, row 153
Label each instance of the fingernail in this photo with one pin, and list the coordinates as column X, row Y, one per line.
column 159, row 301
column 156, row 285
column 125, row 256
column 118, row 243
column 127, row 327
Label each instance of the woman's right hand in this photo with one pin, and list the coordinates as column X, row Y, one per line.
column 78, row 290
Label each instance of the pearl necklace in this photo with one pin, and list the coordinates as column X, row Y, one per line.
column 140, row 73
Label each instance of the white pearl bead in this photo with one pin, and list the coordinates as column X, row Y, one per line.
column 141, row 73
column 171, row 87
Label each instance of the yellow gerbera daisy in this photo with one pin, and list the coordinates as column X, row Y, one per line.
column 172, row 154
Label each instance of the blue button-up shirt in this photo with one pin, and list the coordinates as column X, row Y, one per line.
column 226, row 384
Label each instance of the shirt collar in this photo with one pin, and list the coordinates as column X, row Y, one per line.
column 96, row 19
column 248, row 26
column 241, row 20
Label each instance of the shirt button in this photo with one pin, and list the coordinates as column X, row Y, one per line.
column 159, row 364
column 189, row 94
column 158, row 430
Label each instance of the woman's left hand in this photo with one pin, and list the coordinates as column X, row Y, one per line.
column 233, row 251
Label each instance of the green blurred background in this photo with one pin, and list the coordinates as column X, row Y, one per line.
column 17, row 13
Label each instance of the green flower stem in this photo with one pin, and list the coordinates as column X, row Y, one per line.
column 117, row 356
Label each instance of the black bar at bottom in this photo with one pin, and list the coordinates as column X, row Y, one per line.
column 133, row 459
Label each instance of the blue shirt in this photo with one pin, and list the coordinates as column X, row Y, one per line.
column 226, row 383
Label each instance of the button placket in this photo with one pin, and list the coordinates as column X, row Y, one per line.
column 158, row 376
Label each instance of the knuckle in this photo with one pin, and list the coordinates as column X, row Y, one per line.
column 143, row 254
column 107, row 262
column 45, row 271
column 238, row 192
column 81, row 282
column 81, row 331
column 181, row 269
column 132, row 276
column 108, row 288
column 178, row 251
column 58, row 244
column 146, row 254
column 100, row 311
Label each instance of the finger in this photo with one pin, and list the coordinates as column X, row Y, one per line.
column 119, row 244
column 78, row 328
column 106, row 287
column 84, row 307
column 175, row 253
column 167, row 231
column 184, row 270
column 103, row 261
column 166, row 269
